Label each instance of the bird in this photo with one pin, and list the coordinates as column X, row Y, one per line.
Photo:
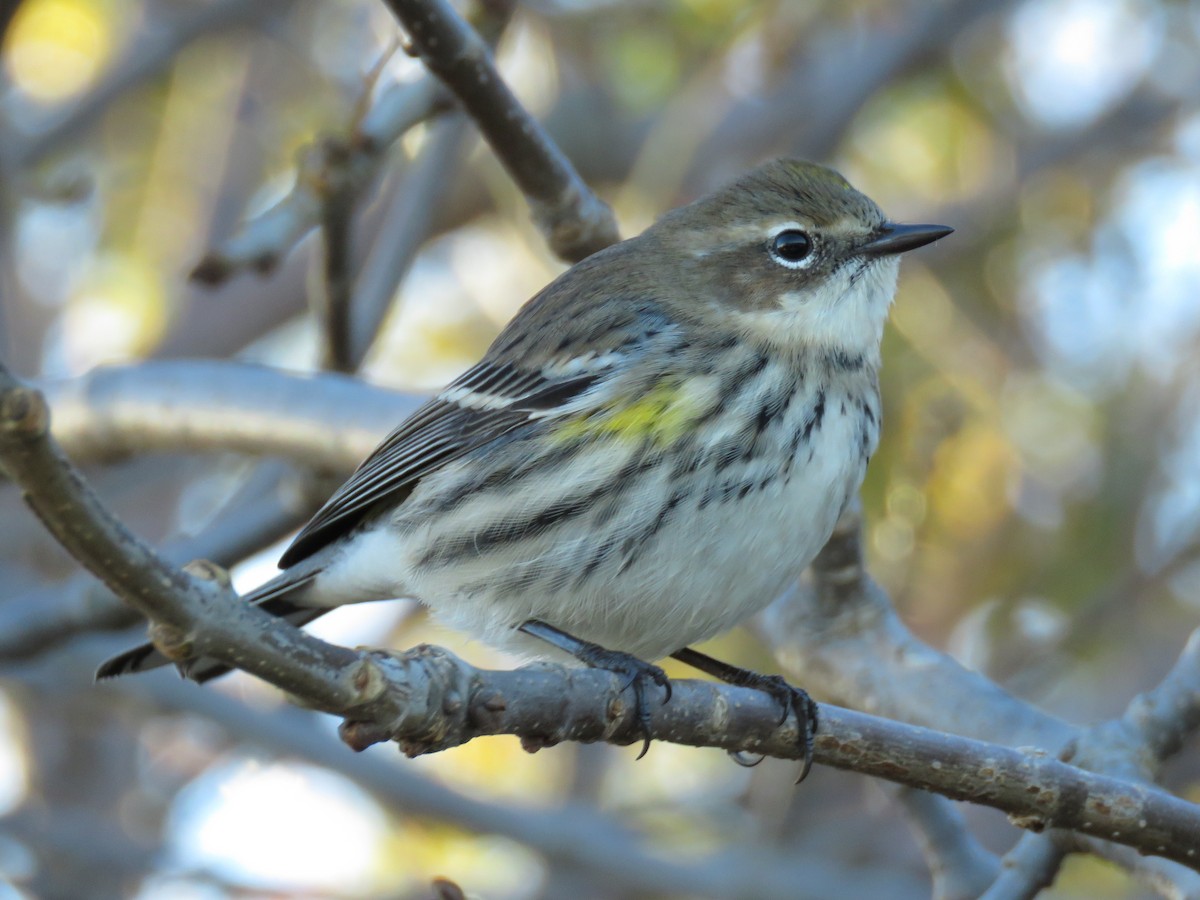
column 652, row 450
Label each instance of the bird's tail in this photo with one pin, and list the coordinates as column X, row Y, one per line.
column 282, row 596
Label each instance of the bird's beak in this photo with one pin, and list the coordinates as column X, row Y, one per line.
column 898, row 238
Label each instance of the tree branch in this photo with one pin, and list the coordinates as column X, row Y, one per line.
column 960, row 866
column 326, row 421
column 331, row 296
column 48, row 616
column 574, row 835
column 579, row 836
column 574, row 221
column 201, row 614
column 428, row 700
column 1030, row 866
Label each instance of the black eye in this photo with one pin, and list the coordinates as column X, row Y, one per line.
column 790, row 248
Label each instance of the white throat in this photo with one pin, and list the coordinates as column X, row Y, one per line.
column 845, row 313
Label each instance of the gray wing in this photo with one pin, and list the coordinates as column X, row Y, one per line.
column 489, row 400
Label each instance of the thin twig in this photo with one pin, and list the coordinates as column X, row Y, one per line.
column 402, row 228
column 1031, row 865
column 352, row 162
column 332, row 294
column 1168, row 715
column 574, row 221
column 960, row 866
column 269, row 236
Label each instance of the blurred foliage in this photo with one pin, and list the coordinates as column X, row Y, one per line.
column 54, row 49
column 1035, row 503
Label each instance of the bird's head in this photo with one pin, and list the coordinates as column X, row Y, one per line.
column 794, row 253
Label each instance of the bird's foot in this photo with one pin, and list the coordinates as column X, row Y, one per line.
column 639, row 672
column 791, row 700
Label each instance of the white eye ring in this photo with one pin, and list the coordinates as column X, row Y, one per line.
column 792, row 247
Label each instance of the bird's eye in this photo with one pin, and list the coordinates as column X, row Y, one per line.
column 791, row 248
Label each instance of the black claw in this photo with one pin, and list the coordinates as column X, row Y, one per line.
column 665, row 683
column 794, row 700
column 643, row 714
column 597, row 657
column 639, row 673
column 806, row 717
column 790, row 699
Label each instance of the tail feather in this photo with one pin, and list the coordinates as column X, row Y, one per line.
column 138, row 659
column 278, row 597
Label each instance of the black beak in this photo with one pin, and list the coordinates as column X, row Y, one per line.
column 900, row 238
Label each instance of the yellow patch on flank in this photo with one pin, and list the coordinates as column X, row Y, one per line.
column 663, row 414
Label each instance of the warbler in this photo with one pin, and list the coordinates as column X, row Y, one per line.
column 650, row 452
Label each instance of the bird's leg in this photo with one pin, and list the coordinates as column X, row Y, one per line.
column 790, row 699
column 638, row 671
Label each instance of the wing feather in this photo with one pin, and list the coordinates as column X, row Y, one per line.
column 488, row 401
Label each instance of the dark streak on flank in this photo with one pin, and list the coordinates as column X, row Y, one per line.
column 598, row 557
column 545, row 463
column 447, row 550
column 818, row 415
column 731, row 487
column 634, row 545
column 841, row 361
column 727, row 453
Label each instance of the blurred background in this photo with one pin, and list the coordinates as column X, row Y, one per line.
column 1034, row 507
